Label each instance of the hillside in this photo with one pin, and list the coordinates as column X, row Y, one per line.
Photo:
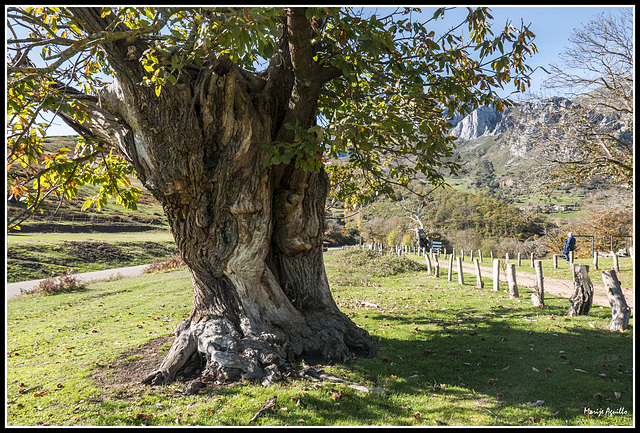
column 67, row 215
column 498, row 152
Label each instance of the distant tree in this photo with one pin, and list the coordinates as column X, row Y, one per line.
column 484, row 176
column 592, row 134
column 376, row 230
column 230, row 117
column 338, row 235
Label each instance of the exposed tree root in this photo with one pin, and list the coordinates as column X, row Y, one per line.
column 312, row 373
column 266, row 357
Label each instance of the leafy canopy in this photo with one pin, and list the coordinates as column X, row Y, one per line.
column 384, row 117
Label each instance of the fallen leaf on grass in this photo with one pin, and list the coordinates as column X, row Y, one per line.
column 335, row 395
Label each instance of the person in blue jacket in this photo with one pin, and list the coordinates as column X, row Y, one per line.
column 569, row 245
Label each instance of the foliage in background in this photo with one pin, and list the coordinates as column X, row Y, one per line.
column 392, row 86
column 596, row 133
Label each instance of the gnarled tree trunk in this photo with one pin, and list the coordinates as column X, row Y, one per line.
column 250, row 234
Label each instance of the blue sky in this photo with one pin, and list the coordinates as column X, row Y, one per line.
column 552, row 26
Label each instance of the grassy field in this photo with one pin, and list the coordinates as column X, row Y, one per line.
column 36, row 256
column 447, row 354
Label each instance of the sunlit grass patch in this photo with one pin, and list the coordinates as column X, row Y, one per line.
column 446, row 354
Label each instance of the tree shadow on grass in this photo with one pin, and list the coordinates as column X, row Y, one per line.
column 511, row 358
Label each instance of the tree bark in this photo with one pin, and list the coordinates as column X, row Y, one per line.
column 583, row 296
column 250, row 234
column 620, row 311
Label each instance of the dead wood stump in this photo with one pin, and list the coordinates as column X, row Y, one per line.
column 620, row 311
column 583, row 296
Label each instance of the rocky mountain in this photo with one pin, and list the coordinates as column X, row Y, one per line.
column 506, row 138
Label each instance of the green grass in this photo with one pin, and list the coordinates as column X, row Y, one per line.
column 448, row 355
column 31, row 257
column 17, row 238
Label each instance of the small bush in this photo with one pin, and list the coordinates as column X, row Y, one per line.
column 174, row 262
column 378, row 264
column 66, row 282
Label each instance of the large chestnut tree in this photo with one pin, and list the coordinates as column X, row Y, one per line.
column 233, row 119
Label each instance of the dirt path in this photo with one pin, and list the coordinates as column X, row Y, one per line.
column 553, row 286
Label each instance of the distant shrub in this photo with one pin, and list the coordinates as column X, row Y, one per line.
column 378, row 264
column 66, row 282
column 174, row 262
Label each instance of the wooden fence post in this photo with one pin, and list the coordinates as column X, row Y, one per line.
column 496, row 275
column 479, row 282
column 436, row 268
column 506, row 259
column 595, row 260
column 426, row 257
column 538, row 297
column 480, row 255
column 616, row 265
column 570, row 258
column 471, row 255
column 620, row 311
column 460, row 274
column 450, row 270
column 532, row 264
column 511, row 278
column 519, row 260
column 583, row 297
column 555, row 261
